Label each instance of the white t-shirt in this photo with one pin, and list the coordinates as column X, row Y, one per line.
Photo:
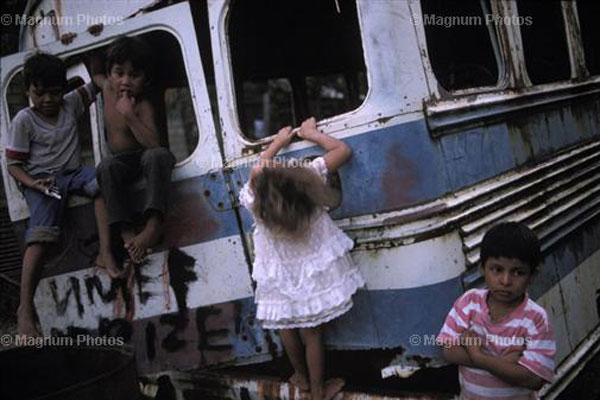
column 45, row 148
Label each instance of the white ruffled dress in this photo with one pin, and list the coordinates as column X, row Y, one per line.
column 307, row 282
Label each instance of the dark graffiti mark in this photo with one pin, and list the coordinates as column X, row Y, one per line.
column 118, row 328
column 75, row 285
column 204, row 334
column 150, row 341
column 61, row 304
column 179, row 322
column 71, row 331
column 141, row 279
column 116, row 286
column 181, row 272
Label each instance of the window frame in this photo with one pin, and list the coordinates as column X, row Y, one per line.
column 207, row 154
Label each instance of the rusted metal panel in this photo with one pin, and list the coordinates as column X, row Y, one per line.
column 48, row 20
column 579, row 290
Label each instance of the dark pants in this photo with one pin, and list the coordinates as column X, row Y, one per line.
column 117, row 174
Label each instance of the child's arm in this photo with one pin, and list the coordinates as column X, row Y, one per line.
column 17, row 172
column 282, row 139
column 505, row 368
column 140, row 121
column 457, row 355
column 337, row 152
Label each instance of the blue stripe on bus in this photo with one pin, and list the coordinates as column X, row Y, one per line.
column 392, row 168
column 402, row 165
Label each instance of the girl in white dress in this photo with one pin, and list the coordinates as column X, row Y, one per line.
column 303, row 272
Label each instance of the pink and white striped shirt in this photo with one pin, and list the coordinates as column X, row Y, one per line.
column 527, row 324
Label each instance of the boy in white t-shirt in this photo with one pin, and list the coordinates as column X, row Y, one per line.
column 43, row 155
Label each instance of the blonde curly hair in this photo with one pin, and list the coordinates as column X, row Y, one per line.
column 286, row 198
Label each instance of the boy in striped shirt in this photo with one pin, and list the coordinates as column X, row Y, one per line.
column 501, row 340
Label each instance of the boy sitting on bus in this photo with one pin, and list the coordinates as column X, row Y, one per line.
column 134, row 142
column 501, row 340
column 43, row 155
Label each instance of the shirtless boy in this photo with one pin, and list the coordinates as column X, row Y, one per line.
column 134, row 142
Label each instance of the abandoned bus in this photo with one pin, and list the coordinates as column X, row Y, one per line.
column 455, row 123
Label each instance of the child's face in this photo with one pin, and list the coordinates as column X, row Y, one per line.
column 507, row 279
column 125, row 79
column 46, row 99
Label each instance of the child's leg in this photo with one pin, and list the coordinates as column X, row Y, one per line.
column 315, row 360
column 82, row 181
column 105, row 257
column 157, row 165
column 295, row 352
column 140, row 245
column 32, row 262
column 43, row 230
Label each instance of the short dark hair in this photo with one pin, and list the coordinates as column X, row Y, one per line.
column 43, row 69
column 133, row 49
column 512, row 240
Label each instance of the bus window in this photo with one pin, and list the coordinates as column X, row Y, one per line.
column 174, row 107
column 181, row 122
column 329, row 93
column 588, row 13
column 268, row 105
column 294, row 60
column 462, row 47
column 544, row 41
column 170, row 94
column 16, row 99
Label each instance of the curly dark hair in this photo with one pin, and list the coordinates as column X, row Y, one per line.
column 43, row 69
column 286, row 198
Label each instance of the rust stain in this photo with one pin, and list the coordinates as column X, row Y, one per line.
column 130, row 309
column 165, row 281
column 189, row 219
column 399, row 179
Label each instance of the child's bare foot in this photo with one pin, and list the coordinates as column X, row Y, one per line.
column 330, row 389
column 301, row 382
column 26, row 322
column 141, row 244
column 106, row 261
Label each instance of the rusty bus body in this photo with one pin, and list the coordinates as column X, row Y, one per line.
column 443, row 149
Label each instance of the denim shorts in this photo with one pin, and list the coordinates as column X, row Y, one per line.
column 46, row 212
